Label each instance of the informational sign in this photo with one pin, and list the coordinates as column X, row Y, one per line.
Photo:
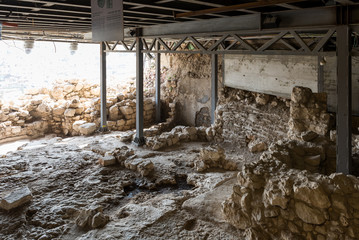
column 107, row 20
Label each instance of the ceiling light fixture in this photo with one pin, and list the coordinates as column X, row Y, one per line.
column 29, row 45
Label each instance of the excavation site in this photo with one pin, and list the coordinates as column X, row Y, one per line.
column 189, row 119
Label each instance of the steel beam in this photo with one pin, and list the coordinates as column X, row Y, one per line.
column 103, row 127
column 321, row 74
column 139, row 139
column 158, row 84
column 301, row 18
column 214, row 86
column 245, row 22
column 344, row 101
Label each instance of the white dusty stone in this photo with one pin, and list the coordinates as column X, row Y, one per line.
column 126, row 110
column 70, row 112
column 69, row 88
column 87, row 128
column 107, row 161
column 76, row 125
column 15, row 198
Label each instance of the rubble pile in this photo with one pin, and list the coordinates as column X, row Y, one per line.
column 311, row 156
column 179, row 134
column 213, row 157
column 126, row 157
column 273, row 201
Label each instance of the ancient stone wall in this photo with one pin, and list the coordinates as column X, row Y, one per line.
column 188, row 79
column 273, row 201
column 69, row 108
column 243, row 117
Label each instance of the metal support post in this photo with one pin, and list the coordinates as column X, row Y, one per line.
column 158, row 84
column 103, row 127
column 214, row 86
column 344, row 101
column 139, row 139
column 321, row 62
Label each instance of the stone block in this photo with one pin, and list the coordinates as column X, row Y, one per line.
column 70, row 112
column 308, row 214
column 107, row 161
column 15, row 198
column 87, row 128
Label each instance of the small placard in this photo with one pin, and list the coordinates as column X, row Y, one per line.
column 107, row 20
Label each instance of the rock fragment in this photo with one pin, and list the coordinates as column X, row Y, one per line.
column 15, row 198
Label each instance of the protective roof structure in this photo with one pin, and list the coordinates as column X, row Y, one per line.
column 71, row 19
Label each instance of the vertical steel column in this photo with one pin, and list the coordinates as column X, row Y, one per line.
column 344, row 101
column 320, row 74
column 103, row 127
column 139, row 139
column 158, row 84
column 214, row 85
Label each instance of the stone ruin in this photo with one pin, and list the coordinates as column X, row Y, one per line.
column 70, row 108
column 291, row 192
column 273, row 201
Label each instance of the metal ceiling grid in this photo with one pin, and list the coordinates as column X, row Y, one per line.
column 71, row 19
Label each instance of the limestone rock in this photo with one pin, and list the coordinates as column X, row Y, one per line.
column 107, row 161
column 262, row 99
column 308, row 214
column 213, row 157
column 113, row 113
column 212, row 154
column 87, row 128
column 91, row 218
column 70, row 112
column 257, row 146
column 69, row 88
column 76, row 125
column 126, row 110
column 58, row 111
column 15, row 198
column 301, row 94
column 145, row 168
column 99, row 220
column 57, row 93
column 311, row 193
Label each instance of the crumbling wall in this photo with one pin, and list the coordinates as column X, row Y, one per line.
column 273, row 201
column 243, row 117
column 66, row 107
column 308, row 112
column 189, row 75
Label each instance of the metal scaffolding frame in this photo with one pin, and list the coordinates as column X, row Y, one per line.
column 328, row 34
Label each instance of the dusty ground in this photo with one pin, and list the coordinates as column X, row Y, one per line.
column 64, row 177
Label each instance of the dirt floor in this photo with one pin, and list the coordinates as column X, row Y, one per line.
column 65, row 178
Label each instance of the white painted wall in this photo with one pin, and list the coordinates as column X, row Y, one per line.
column 271, row 74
